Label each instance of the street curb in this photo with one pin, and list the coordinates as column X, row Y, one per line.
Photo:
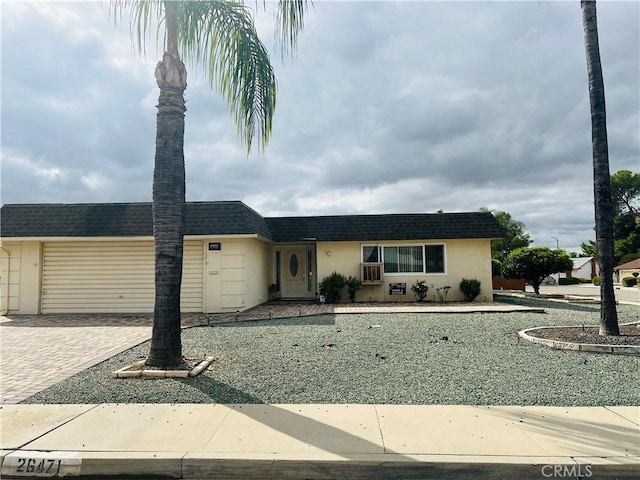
column 201, row 465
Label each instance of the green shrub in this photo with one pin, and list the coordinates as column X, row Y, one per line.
column 584, row 280
column 635, row 274
column 470, row 288
column 353, row 285
column 420, row 289
column 596, row 281
column 629, row 281
column 331, row 287
column 568, row 281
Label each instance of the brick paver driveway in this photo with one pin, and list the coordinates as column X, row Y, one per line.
column 39, row 351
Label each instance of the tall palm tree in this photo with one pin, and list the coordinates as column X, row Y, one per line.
column 601, row 177
column 221, row 35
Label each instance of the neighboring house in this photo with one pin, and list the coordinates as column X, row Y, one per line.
column 627, row 269
column 583, row 267
column 98, row 258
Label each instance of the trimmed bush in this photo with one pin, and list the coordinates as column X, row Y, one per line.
column 596, row 281
column 629, row 281
column 331, row 287
column 420, row 289
column 470, row 288
column 353, row 285
column 569, row 281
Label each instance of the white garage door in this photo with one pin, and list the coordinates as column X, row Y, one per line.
column 112, row 277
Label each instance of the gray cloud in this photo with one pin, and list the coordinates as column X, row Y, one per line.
column 385, row 107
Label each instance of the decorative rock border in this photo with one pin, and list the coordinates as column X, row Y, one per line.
column 127, row 372
column 582, row 347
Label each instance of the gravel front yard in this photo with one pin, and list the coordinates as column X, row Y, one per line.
column 377, row 358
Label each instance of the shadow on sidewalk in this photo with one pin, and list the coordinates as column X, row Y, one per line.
column 584, row 436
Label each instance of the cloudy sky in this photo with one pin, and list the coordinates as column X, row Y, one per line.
column 387, row 107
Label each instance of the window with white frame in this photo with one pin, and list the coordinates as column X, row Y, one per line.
column 403, row 259
column 406, row 258
column 434, row 258
column 370, row 254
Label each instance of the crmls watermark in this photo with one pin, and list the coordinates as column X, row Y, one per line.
column 566, row 471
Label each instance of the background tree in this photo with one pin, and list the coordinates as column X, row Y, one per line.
column 516, row 236
column 625, row 191
column 589, row 249
column 220, row 35
column 534, row 264
column 601, row 179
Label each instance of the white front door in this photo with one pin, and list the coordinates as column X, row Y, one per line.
column 297, row 272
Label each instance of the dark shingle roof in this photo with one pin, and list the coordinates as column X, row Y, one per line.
column 125, row 219
column 236, row 218
column 437, row 226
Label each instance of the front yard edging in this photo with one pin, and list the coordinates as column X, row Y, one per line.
column 137, row 370
column 582, row 347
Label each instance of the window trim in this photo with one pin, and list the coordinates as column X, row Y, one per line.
column 444, row 258
column 424, row 272
column 378, row 246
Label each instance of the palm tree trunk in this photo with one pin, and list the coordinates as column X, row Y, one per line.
column 168, row 201
column 601, row 177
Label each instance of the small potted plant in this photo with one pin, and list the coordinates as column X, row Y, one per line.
column 331, row 286
column 274, row 291
column 420, row 289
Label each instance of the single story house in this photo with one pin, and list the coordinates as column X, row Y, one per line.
column 583, row 267
column 98, row 258
column 627, row 269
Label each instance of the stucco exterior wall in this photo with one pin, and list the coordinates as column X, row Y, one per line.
column 21, row 261
column 463, row 259
column 258, row 278
column 245, row 274
column 237, row 277
column 628, row 273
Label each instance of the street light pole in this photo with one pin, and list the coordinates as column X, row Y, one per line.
column 557, row 242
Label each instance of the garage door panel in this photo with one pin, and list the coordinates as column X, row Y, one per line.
column 112, row 277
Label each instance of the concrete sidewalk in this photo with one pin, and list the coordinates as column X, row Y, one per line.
column 217, row 441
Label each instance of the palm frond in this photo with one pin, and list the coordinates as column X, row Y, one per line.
column 144, row 15
column 290, row 21
column 220, row 35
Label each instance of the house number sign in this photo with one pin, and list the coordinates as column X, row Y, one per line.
column 215, row 246
column 41, row 464
column 397, row 289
